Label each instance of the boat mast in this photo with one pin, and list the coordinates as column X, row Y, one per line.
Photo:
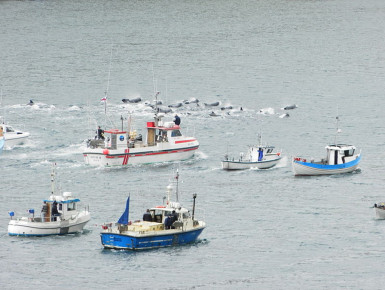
column 338, row 130
column 106, row 92
column 156, row 109
column 194, row 197
column 177, row 184
column 53, row 179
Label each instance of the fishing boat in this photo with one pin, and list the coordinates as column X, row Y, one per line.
column 13, row 137
column 340, row 158
column 60, row 215
column 164, row 143
column 380, row 210
column 162, row 226
column 257, row 156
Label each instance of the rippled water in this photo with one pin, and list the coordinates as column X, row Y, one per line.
column 265, row 229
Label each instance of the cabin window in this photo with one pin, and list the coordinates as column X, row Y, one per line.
column 175, row 133
column 349, row 152
column 9, row 129
column 186, row 215
column 71, row 206
column 269, row 150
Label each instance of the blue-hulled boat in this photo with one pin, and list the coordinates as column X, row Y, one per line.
column 162, row 226
column 340, row 158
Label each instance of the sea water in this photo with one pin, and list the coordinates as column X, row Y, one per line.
column 265, row 229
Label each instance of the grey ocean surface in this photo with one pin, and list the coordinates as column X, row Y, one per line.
column 265, row 229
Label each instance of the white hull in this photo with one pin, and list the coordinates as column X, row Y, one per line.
column 380, row 213
column 142, row 155
column 301, row 169
column 28, row 227
column 12, row 140
column 239, row 165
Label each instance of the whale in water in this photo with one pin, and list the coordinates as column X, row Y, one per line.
column 135, row 100
column 163, row 109
column 176, row 105
column 191, row 101
column 290, row 107
column 214, row 104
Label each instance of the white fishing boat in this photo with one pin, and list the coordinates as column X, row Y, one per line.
column 60, row 215
column 13, row 137
column 164, row 225
column 340, row 158
column 164, row 143
column 257, row 156
column 380, row 210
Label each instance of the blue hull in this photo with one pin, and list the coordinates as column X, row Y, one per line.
column 127, row 242
column 306, row 168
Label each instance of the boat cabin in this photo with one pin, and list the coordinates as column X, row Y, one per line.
column 160, row 213
column 162, row 132
column 340, row 154
column 67, row 206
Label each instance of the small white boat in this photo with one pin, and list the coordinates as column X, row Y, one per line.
column 380, row 210
column 13, row 137
column 164, row 225
column 60, row 215
column 257, row 156
column 164, row 143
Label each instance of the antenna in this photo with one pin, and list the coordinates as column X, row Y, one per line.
column 53, row 179
column 338, row 130
column 108, row 86
column 177, row 184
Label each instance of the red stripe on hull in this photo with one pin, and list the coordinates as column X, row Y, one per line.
column 185, row 141
column 148, row 154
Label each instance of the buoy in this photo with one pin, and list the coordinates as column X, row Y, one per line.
column 105, row 151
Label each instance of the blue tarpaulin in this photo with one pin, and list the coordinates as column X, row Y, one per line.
column 124, row 218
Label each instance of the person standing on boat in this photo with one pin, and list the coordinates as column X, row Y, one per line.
column 100, row 133
column 44, row 211
column 177, row 120
column 55, row 212
column 147, row 216
column 260, row 154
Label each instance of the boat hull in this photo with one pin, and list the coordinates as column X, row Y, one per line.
column 240, row 165
column 1, row 144
column 142, row 155
column 127, row 241
column 12, row 140
column 307, row 168
column 27, row 227
column 380, row 212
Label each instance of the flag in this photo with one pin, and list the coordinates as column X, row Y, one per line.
column 103, row 99
column 124, row 218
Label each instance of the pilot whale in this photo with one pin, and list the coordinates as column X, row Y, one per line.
column 214, row 104
column 135, row 100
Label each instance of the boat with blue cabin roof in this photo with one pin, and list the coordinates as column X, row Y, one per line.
column 60, row 215
column 164, row 225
